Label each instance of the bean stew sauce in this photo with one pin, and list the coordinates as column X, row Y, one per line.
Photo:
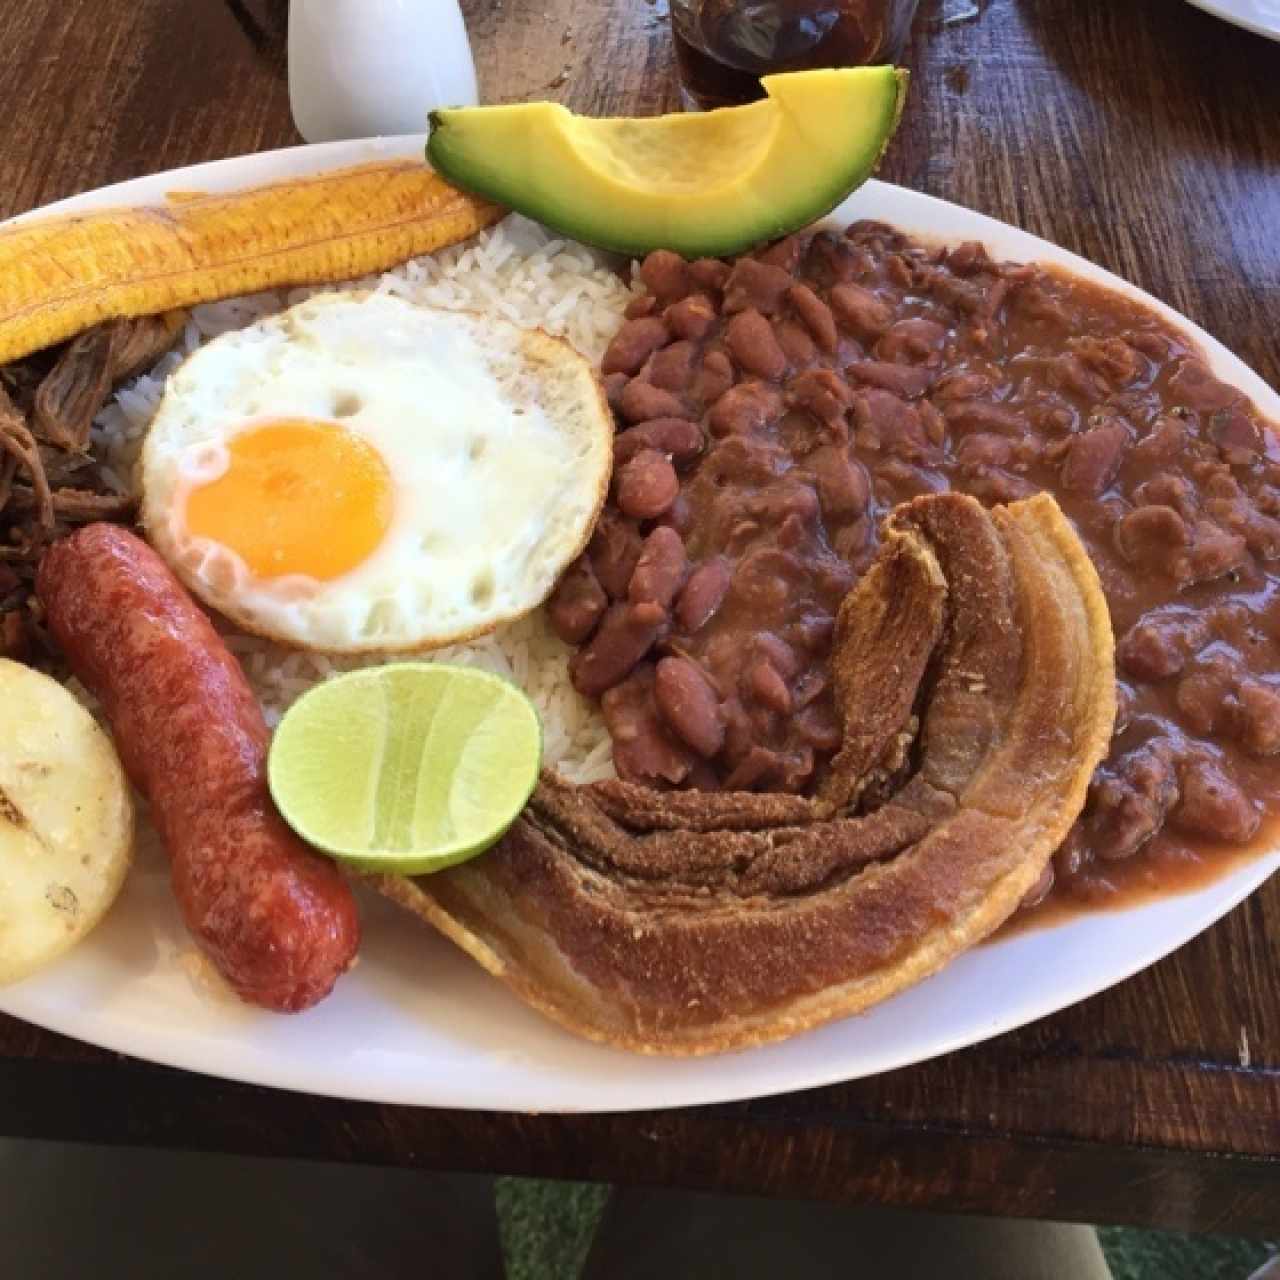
column 773, row 409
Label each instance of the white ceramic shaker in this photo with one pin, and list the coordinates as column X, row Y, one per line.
column 370, row 68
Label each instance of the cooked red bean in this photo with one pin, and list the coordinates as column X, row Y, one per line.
column 995, row 486
column 666, row 275
column 911, row 341
column 755, row 286
column 815, row 315
column 680, row 438
column 968, row 258
column 633, row 344
column 1259, row 718
column 1214, row 552
column 843, row 486
column 1213, row 805
column 641, row 305
column 1155, row 345
column 764, row 582
column 691, row 317
column 813, row 631
column 1168, row 490
column 577, row 603
column 646, row 485
column 739, row 458
column 1094, row 458
column 784, row 253
column 768, row 688
column 900, row 481
column 935, row 425
column 817, row 725
column 661, row 569
column 777, row 652
column 755, row 769
column 1131, row 799
column 678, row 516
column 751, row 342
column 627, row 633
column 615, row 551
column 643, row 751
column 1072, row 375
column 824, row 394
column 795, row 343
column 1202, row 693
column 744, row 409
column 1113, row 358
column 672, row 367
column 907, row 381
column 1158, row 646
column 641, row 401
column 860, row 311
column 1237, row 435
column 1196, row 388
column 1152, row 535
column 832, row 259
column 962, row 385
column 1239, row 514
column 1161, row 445
column 689, row 705
column 703, row 594
column 614, row 384
column 982, row 415
column 709, row 273
column 788, row 499
column 984, row 449
column 895, row 424
column 714, row 378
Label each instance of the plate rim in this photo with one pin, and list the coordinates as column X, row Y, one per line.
column 1224, row 13
column 1213, row 900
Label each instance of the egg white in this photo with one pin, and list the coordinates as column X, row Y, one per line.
column 498, row 441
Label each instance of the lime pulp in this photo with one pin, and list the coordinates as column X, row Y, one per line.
column 406, row 768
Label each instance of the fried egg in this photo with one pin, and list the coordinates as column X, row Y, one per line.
column 361, row 473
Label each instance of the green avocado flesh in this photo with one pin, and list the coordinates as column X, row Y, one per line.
column 703, row 184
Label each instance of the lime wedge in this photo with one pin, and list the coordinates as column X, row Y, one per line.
column 407, row 768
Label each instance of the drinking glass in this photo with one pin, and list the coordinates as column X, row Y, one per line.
column 723, row 47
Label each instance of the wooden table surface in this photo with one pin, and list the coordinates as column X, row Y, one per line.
column 1144, row 135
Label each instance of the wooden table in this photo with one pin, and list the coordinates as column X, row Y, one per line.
column 1144, row 135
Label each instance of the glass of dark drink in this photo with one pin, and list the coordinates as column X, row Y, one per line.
column 723, row 47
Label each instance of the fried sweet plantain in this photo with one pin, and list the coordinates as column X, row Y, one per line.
column 61, row 275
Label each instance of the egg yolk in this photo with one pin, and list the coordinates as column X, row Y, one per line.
column 298, row 497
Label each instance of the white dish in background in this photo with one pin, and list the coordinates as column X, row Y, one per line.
column 417, row 1022
column 1259, row 16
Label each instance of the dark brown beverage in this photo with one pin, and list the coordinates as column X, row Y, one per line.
column 723, row 47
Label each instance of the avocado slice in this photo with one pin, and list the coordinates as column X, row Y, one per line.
column 702, row 184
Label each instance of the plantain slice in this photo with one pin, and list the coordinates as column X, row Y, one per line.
column 61, row 275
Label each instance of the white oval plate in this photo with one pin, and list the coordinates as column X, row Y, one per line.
column 1259, row 16
column 417, row 1022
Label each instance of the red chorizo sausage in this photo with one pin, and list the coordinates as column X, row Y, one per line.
column 277, row 920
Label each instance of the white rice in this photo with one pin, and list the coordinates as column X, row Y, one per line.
column 516, row 270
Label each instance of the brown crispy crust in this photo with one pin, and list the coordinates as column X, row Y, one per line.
column 662, row 925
